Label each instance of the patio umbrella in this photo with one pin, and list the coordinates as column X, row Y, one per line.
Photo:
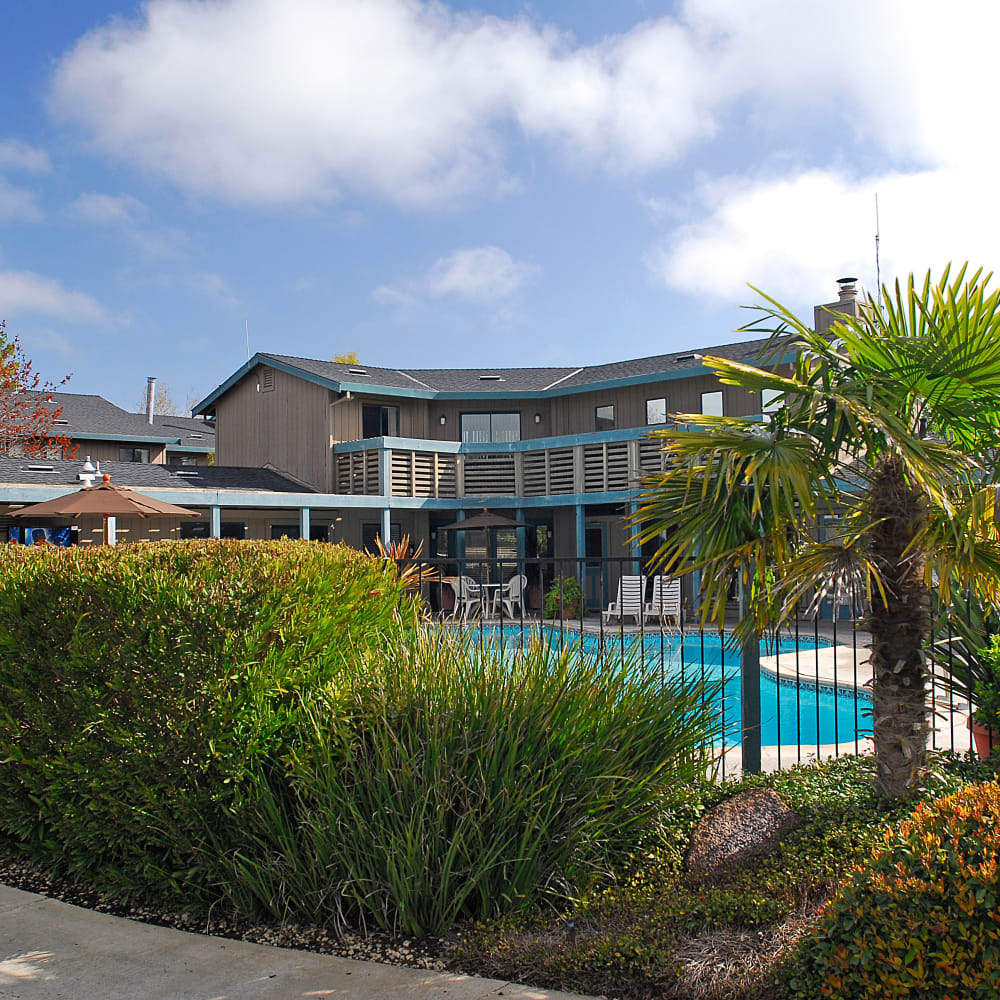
column 486, row 519
column 107, row 501
column 490, row 522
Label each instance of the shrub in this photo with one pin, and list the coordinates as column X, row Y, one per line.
column 271, row 725
column 922, row 919
column 143, row 685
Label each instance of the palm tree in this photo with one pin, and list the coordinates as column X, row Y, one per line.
column 887, row 422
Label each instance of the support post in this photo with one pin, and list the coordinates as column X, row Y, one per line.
column 750, row 700
column 386, row 526
column 215, row 522
column 304, row 513
column 636, row 545
column 110, row 532
column 749, row 691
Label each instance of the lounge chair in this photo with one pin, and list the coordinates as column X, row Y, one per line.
column 628, row 603
column 665, row 601
column 513, row 593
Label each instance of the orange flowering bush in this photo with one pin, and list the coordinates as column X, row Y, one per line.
column 922, row 919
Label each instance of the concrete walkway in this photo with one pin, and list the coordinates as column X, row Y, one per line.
column 51, row 950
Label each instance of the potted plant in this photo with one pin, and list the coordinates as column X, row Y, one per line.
column 970, row 656
column 564, row 598
column 985, row 721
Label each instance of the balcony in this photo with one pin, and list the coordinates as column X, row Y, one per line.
column 606, row 462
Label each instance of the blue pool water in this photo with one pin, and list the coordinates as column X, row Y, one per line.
column 794, row 712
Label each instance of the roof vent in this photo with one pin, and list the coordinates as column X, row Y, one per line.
column 40, row 468
column 356, row 371
column 491, row 378
column 188, row 475
column 60, row 421
column 688, row 357
column 196, row 437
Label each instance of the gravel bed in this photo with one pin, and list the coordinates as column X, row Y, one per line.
column 415, row 953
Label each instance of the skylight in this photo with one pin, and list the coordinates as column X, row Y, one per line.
column 490, row 378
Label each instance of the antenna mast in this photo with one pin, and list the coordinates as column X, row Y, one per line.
column 878, row 269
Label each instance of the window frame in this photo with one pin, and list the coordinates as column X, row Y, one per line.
column 722, row 403
column 491, row 414
column 598, row 418
column 666, row 410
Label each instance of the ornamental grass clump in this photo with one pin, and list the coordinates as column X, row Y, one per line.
column 922, row 919
column 445, row 781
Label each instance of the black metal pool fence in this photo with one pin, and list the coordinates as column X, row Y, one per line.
column 802, row 693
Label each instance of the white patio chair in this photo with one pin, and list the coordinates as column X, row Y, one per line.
column 665, row 601
column 628, row 603
column 468, row 597
column 513, row 593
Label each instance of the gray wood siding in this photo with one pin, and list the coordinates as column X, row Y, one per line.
column 286, row 428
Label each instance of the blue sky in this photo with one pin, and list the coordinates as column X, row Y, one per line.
column 439, row 185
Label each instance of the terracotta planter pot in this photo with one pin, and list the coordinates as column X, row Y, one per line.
column 984, row 738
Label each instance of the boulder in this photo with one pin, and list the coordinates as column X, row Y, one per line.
column 744, row 827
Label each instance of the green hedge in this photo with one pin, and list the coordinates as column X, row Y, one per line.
column 142, row 683
column 271, row 724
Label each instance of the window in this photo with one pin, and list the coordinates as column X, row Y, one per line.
column 768, row 400
column 369, row 532
column 133, row 455
column 379, row 421
column 482, row 428
column 711, row 403
column 604, row 417
column 656, row 410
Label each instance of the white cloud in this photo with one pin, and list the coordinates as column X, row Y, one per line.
column 481, row 274
column 18, row 204
column 17, row 155
column 106, row 209
column 25, row 292
column 792, row 236
column 276, row 100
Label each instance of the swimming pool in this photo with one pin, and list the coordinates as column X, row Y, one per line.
column 795, row 710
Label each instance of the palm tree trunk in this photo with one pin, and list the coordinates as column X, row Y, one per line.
column 900, row 625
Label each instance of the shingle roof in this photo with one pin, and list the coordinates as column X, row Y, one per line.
column 190, row 433
column 94, row 416
column 30, row 472
column 90, row 416
column 514, row 380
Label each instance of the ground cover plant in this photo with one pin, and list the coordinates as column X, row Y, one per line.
column 658, row 932
column 272, row 727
